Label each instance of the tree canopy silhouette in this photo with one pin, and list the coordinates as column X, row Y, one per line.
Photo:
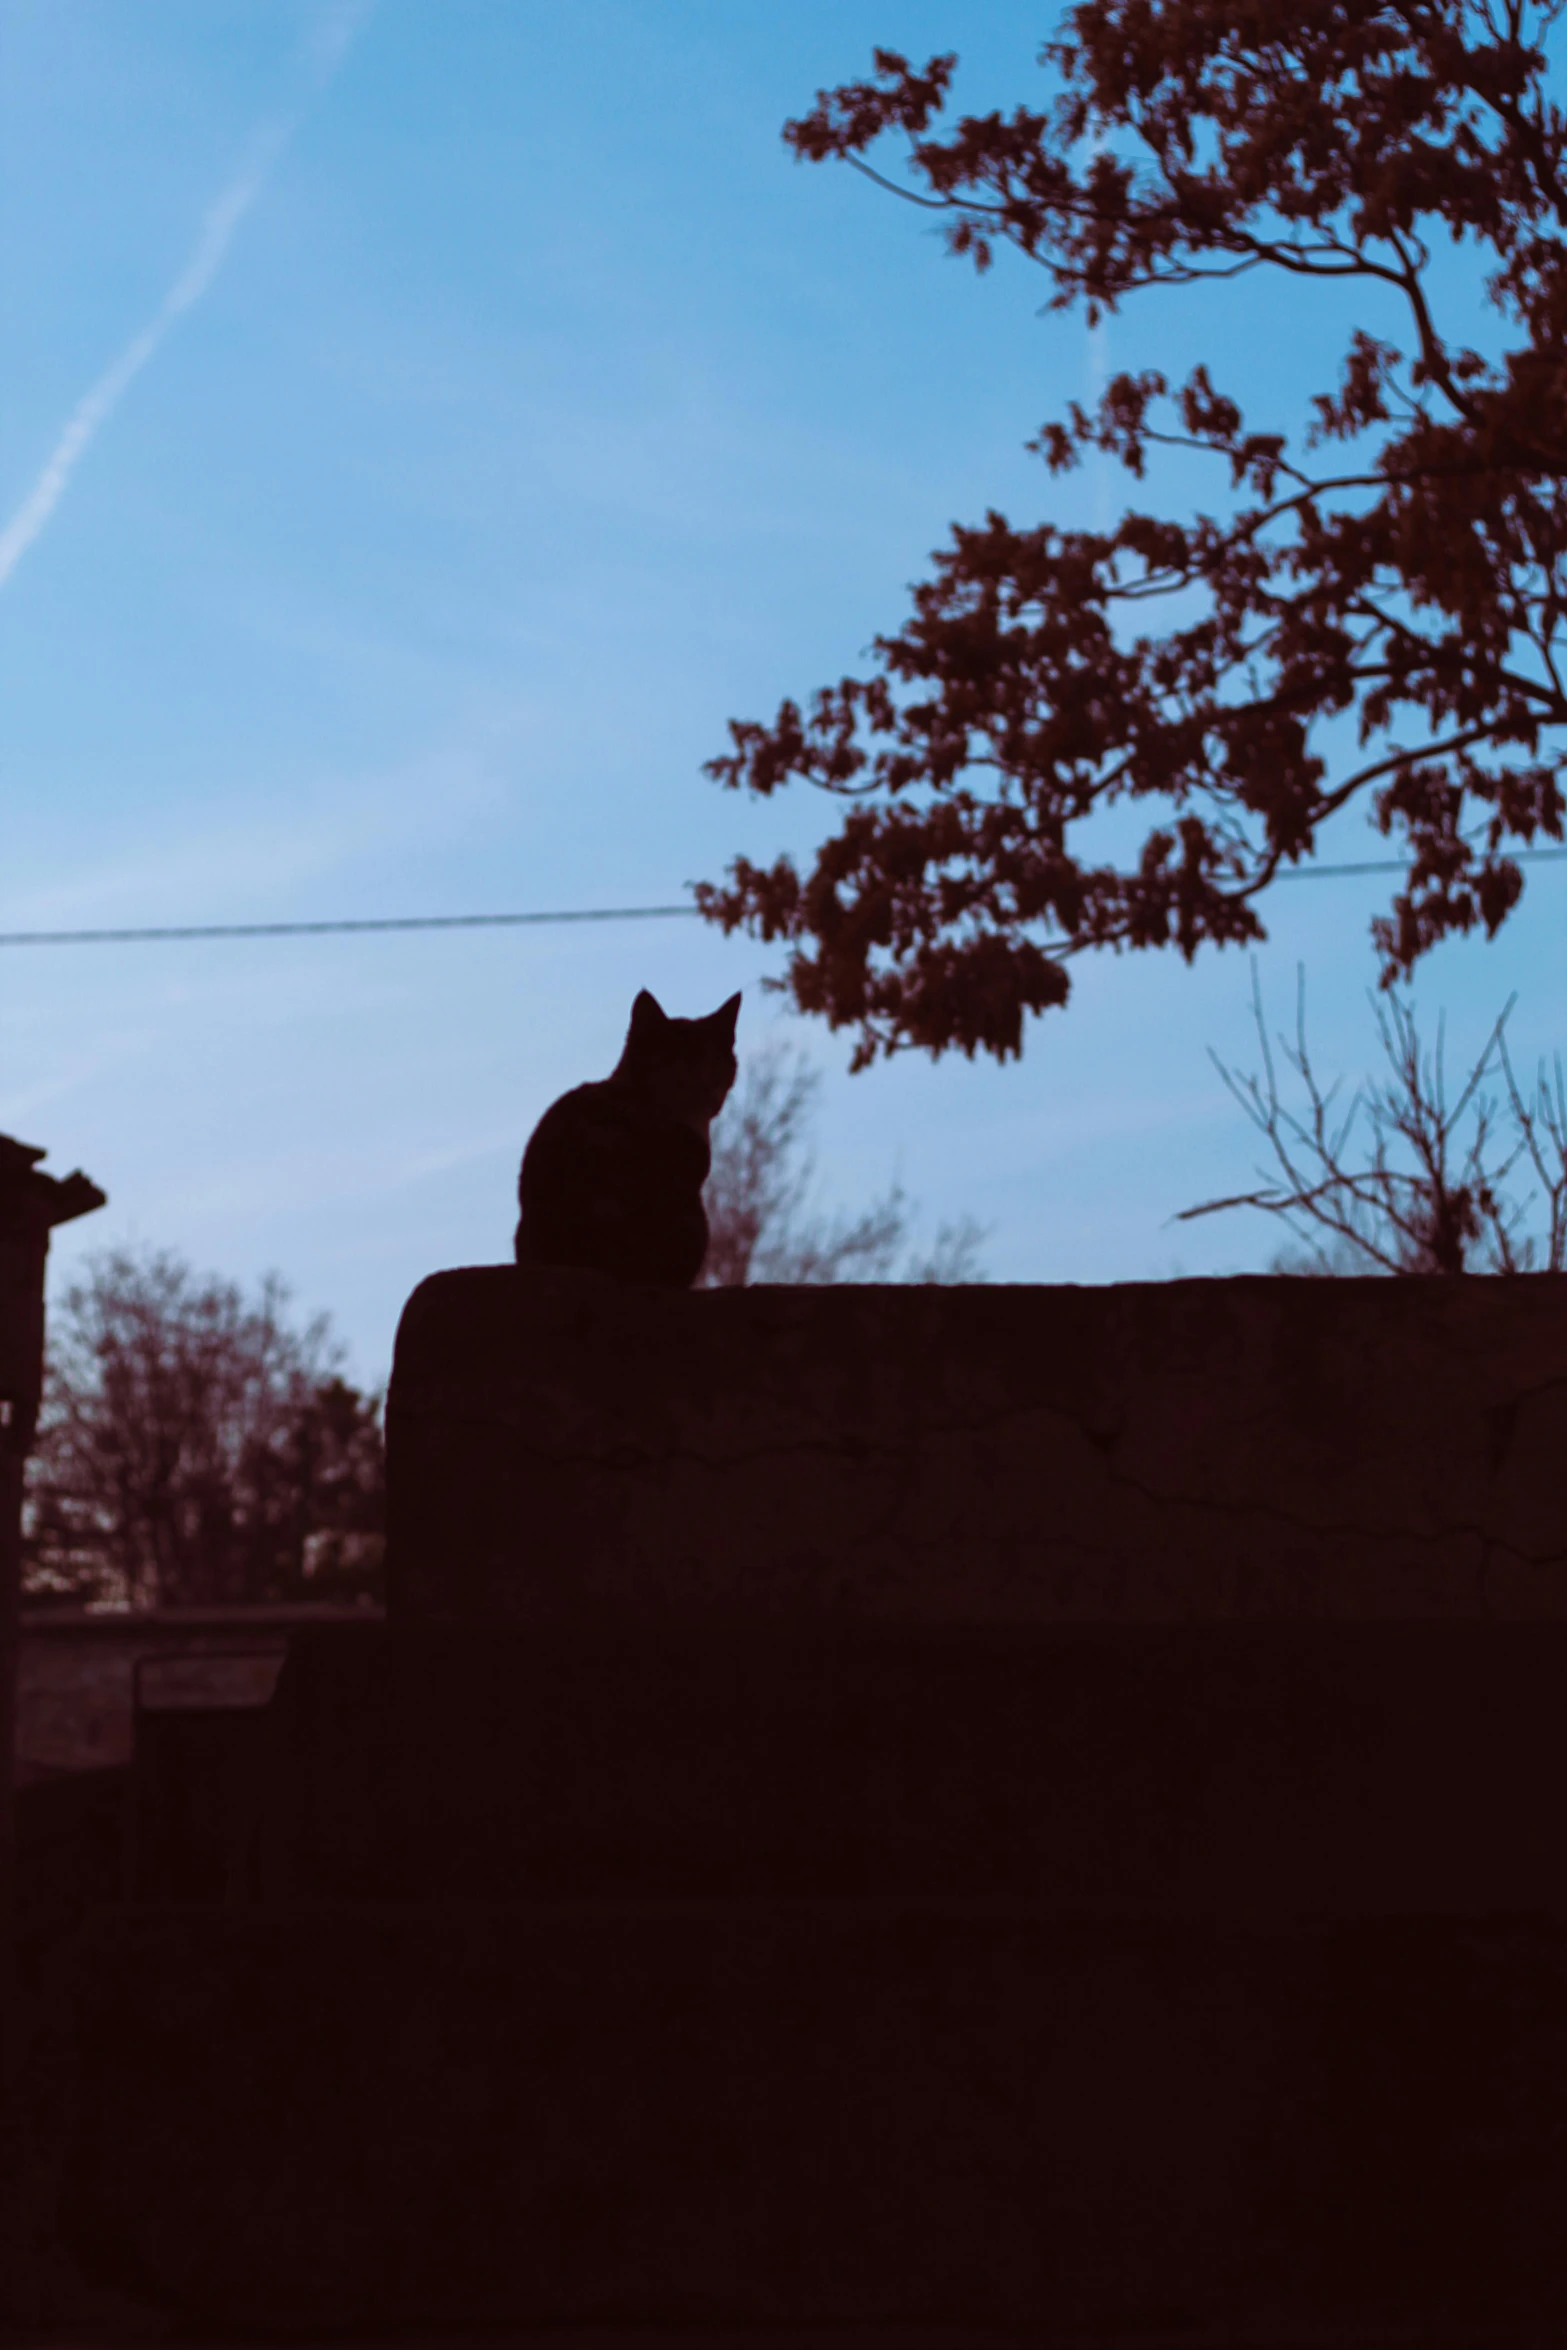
column 1412, row 581
column 197, row 1446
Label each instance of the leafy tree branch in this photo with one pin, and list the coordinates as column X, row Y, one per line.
column 1418, row 591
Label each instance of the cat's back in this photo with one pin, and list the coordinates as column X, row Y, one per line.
column 588, row 1122
column 610, row 1183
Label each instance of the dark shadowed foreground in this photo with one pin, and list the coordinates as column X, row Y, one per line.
column 903, row 1815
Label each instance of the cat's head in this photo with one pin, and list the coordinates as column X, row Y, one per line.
column 687, row 1065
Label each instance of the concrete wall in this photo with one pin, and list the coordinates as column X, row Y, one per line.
column 826, row 2115
column 1243, row 1449
column 1159, row 1771
column 77, row 1674
column 847, row 1823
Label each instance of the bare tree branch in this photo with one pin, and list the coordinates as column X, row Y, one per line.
column 1446, row 1210
column 762, row 1224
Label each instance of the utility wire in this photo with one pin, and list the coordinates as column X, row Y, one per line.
column 77, row 938
column 80, row 938
column 1401, row 865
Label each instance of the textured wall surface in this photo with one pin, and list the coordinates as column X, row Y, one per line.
column 1247, row 1448
column 801, row 2114
column 1171, row 1771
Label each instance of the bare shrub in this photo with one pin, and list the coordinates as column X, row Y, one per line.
column 1421, row 1186
column 763, row 1224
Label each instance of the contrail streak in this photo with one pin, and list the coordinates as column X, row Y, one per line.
column 324, row 50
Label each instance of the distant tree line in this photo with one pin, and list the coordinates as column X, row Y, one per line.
column 765, row 1223
column 198, row 1447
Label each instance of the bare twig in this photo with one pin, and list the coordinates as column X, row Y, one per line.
column 762, row 1224
column 1445, row 1210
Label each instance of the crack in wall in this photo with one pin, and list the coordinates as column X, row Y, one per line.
column 1318, row 1459
column 632, row 1460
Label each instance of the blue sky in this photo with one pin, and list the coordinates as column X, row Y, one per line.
column 499, row 410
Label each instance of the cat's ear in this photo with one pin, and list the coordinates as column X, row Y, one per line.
column 726, row 1017
column 647, row 1016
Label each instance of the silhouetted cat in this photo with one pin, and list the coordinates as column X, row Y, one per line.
column 612, row 1176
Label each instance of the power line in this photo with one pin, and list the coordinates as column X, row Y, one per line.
column 80, row 938
column 1401, row 865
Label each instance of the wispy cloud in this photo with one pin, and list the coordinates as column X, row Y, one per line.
column 323, row 51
